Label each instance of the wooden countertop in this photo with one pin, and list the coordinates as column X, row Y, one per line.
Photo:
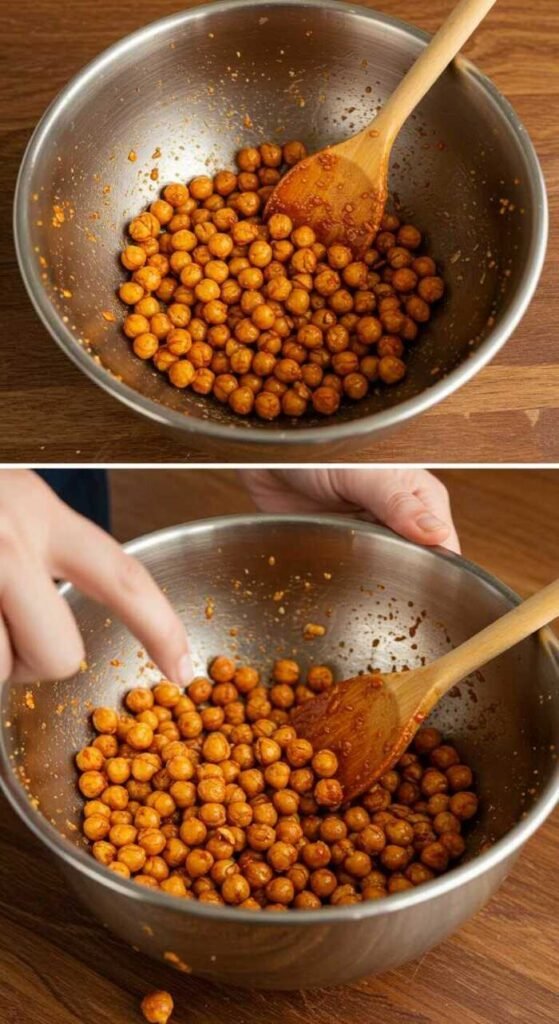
column 51, row 412
column 58, row 966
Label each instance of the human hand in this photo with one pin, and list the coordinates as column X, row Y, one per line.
column 41, row 540
column 412, row 502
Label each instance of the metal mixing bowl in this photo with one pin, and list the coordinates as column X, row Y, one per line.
column 197, row 85
column 385, row 602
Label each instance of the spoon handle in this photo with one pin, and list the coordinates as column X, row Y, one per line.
column 443, row 47
column 526, row 618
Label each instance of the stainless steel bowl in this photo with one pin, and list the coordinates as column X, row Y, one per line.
column 197, row 85
column 385, row 602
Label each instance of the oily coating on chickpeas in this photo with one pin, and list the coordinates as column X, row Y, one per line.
column 260, row 315
column 209, row 794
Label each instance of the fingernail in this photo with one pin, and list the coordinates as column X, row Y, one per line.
column 430, row 523
column 185, row 670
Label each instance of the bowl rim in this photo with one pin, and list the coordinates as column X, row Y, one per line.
column 359, row 428
column 84, row 863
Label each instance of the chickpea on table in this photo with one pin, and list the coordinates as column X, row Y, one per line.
column 43, row 539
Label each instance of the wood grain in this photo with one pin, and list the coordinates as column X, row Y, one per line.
column 58, row 966
column 50, row 412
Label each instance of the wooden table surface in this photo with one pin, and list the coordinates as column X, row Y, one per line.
column 58, row 966
column 49, row 411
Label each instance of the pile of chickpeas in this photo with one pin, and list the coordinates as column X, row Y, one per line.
column 259, row 314
column 209, row 794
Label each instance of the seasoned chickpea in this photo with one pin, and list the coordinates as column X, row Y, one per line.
column 444, row 756
column 464, row 805
column 404, row 280
column 433, row 781
column 459, row 776
column 96, row 827
column 198, row 863
column 249, row 159
column 391, row 369
column 145, row 345
column 326, row 400
column 92, row 784
column 267, row 751
column 400, row 833
column 280, row 226
column 434, row 856
column 277, row 775
column 105, row 720
column 139, row 736
column 325, row 764
column 90, row 759
column 418, row 873
column 294, row 152
column 280, row 890
column 356, row 386
column 130, row 292
column 107, row 744
column 216, row 748
column 105, row 853
column 267, row 406
column 394, row 858
column 358, row 864
column 328, row 793
column 369, row 330
column 409, row 237
column 426, row 740
column 235, row 888
column 176, row 194
column 282, row 856
column 260, row 254
column 133, row 257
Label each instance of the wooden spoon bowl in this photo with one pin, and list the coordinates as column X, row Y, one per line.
column 369, row 720
column 342, row 190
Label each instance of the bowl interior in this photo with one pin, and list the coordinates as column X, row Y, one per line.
column 179, row 98
column 249, row 586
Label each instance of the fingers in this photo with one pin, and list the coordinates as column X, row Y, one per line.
column 6, row 653
column 293, row 490
column 436, row 500
column 39, row 637
column 99, row 567
column 413, row 503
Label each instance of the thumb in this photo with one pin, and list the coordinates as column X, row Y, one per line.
column 413, row 503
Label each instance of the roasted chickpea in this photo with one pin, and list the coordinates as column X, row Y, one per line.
column 328, row 793
column 326, row 400
column 267, row 406
column 198, row 863
column 459, row 776
column 356, row 386
column 325, row 764
column 139, row 736
column 464, row 805
column 133, row 257
column 444, row 757
column 90, row 759
column 293, row 153
column 405, row 280
column 400, row 833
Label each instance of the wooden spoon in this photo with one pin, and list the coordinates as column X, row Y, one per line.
column 368, row 721
column 341, row 191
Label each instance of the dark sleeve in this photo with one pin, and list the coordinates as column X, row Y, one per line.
column 85, row 490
